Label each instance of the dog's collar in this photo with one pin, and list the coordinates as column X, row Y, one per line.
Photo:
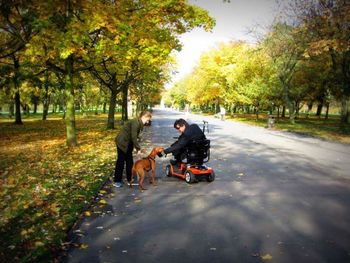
column 149, row 157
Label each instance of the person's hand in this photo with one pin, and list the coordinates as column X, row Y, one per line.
column 161, row 154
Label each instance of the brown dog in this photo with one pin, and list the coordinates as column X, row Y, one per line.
column 145, row 165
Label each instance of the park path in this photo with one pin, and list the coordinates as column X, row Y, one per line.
column 278, row 197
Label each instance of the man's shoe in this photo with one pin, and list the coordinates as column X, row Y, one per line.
column 118, row 184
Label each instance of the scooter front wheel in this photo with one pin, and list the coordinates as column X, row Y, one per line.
column 189, row 177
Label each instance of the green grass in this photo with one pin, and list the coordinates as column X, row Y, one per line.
column 329, row 129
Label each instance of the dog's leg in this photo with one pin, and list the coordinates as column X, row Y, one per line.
column 153, row 174
column 141, row 175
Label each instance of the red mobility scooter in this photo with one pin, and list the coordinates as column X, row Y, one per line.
column 193, row 169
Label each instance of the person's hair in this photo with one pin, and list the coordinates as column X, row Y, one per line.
column 146, row 114
column 180, row 122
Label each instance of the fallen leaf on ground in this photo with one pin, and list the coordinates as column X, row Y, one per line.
column 87, row 213
column 83, row 246
column 266, row 257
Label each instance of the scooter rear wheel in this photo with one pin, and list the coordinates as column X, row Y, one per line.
column 211, row 177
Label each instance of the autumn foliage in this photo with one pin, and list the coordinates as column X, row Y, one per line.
column 44, row 185
column 302, row 60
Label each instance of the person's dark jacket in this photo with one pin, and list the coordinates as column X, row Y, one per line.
column 192, row 132
column 129, row 134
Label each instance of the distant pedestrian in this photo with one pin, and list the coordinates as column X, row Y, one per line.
column 222, row 113
column 126, row 141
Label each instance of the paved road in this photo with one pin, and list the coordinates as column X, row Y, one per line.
column 278, row 197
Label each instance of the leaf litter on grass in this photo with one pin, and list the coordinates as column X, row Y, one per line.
column 46, row 185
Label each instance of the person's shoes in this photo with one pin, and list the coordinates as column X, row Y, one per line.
column 118, row 184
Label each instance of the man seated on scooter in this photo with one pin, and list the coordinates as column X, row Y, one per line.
column 188, row 134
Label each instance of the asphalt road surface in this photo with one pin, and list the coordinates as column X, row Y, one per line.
column 277, row 197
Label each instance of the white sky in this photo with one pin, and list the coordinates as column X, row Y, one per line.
column 233, row 21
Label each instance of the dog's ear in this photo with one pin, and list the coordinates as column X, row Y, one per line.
column 160, row 149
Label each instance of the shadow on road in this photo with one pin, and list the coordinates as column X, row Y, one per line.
column 265, row 204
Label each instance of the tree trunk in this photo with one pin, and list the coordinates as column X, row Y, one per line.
column 26, row 109
column 345, row 105
column 309, row 108
column 46, row 100
column 319, row 109
column 289, row 103
column 297, row 109
column 11, row 110
column 111, row 110
column 35, row 108
column 327, row 110
column 125, row 102
column 35, row 104
column 70, row 111
column 18, row 118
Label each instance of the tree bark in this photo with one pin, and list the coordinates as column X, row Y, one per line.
column 46, row 101
column 319, row 109
column 70, row 111
column 111, row 110
column 18, row 118
column 288, row 101
column 309, row 108
column 125, row 102
column 11, row 110
column 327, row 110
column 345, row 109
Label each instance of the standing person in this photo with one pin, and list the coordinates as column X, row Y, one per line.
column 222, row 113
column 188, row 133
column 126, row 141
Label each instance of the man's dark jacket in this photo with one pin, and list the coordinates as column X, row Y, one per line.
column 192, row 132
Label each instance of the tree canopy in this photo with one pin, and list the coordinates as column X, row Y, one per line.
column 304, row 58
column 124, row 45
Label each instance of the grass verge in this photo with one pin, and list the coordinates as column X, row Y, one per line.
column 328, row 129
